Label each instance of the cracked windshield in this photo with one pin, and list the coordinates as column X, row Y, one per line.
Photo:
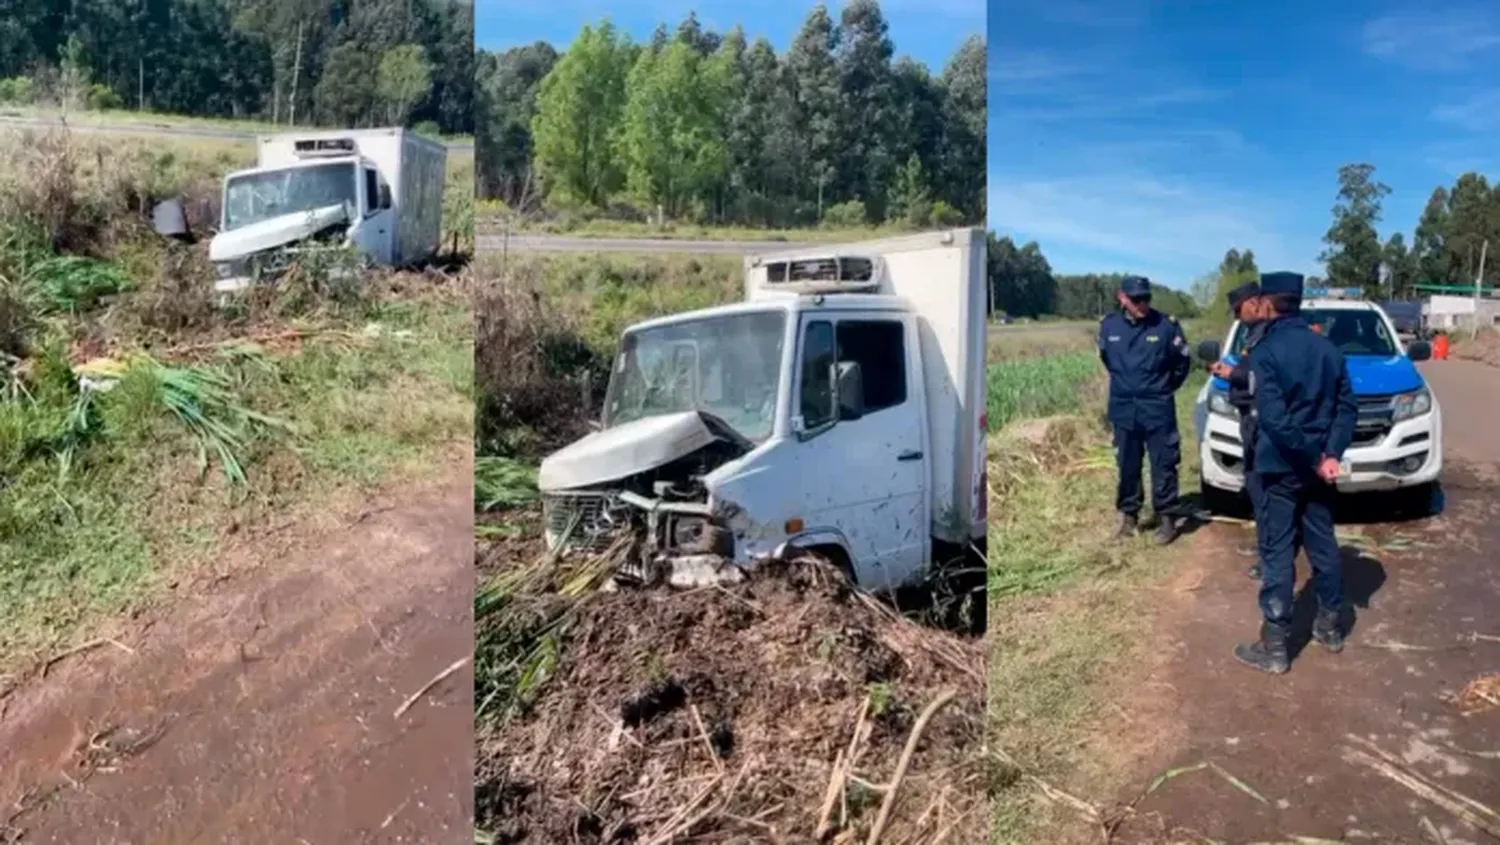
column 260, row 196
column 726, row 366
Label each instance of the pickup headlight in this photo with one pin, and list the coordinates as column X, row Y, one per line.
column 1414, row 404
column 1218, row 403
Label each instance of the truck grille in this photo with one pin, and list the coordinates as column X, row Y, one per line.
column 585, row 518
column 1376, row 416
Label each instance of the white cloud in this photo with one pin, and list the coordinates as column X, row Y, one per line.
column 1171, row 229
column 1432, row 41
column 1480, row 112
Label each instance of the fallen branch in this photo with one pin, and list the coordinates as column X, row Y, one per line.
column 1471, row 812
column 437, row 679
column 894, row 788
column 88, row 646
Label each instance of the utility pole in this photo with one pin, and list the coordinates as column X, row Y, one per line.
column 1478, row 280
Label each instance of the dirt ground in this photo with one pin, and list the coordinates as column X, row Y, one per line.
column 257, row 705
column 1304, row 742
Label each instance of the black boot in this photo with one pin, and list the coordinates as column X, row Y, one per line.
column 1166, row 530
column 1126, row 526
column 1327, row 630
column 1269, row 654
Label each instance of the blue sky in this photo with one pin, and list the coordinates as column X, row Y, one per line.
column 1131, row 135
column 927, row 30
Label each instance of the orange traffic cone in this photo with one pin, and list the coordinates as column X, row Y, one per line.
column 1440, row 348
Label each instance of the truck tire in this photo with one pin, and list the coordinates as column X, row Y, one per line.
column 1418, row 502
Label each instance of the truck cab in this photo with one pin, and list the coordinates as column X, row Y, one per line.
column 1397, row 442
column 840, row 409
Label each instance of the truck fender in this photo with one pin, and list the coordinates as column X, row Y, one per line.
column 825, row 540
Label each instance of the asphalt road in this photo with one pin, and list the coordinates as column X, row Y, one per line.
column 148, row 128
column 526, row 242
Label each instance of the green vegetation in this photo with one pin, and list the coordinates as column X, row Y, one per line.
column 714, row 129
column 322, row 62
column 140, row 425
column 1069, row 606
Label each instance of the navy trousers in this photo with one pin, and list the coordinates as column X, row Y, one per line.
column 1296, row 511
column 1132, row 444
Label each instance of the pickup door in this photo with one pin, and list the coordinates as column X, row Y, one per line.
column 864, row 473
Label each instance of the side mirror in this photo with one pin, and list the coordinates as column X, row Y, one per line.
column 1209, row 351
column 169, row 219
column 385, row 195
column 1419, row 351
column 851, row 391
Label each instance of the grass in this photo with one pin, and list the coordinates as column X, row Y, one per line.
column 140, row 427
column 496, row 218
column 1069, row 607
column 127, row 117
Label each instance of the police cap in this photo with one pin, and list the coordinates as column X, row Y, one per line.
column 1281, row 284
column 1135, row 287
column 1239, row 295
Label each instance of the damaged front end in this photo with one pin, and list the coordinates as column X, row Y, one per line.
column 660, row 518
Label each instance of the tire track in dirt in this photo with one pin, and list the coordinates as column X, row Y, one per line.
column 1426, row 584
column 259, row 707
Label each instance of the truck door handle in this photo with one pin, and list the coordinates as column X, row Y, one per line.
column 909, row 455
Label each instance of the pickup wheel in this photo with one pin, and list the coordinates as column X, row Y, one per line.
column 1216, row 501
column 1418, row 502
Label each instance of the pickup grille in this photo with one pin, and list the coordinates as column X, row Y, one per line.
column 1376, row 416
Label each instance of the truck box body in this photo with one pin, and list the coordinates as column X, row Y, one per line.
column 941, row 276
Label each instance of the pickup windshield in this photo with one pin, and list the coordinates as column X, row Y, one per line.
column 254, row 197
column 1355, row 331
column 728, row 366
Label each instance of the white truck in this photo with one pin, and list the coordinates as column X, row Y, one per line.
column 840, row 409
column 1398, row 436
column 379, row 191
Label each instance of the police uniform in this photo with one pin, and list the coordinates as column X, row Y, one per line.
column 1242, row 399
column 1305, row 413
column 1148, row 360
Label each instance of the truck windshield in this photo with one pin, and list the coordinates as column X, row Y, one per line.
column 728, row 366
column 1355, row 331
column 254, row 197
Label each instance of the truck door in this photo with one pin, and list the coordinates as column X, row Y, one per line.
column 863, row 470
column 376, row 233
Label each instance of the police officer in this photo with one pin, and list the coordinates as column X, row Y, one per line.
column 1148, row 360
column 1306, row 413
column 1247, row 306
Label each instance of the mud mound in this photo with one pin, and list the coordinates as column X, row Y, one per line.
column 1485, row 348
column 719, row 714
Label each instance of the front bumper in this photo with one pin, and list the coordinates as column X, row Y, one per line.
column 1376, row 466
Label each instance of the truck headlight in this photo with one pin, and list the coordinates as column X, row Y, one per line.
column 1414, row 404
column 1218, row 403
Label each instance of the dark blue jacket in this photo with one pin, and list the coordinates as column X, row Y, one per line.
column 1148, row 361
column 1242, row 391
column 1306, row 407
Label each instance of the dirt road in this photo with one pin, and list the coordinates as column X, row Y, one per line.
column 1423, row 590
column 257, row 705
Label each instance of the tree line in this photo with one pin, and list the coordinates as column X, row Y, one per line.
column 329, row 62
column 714, row 127
column 1022, row 284
column 1446, row 247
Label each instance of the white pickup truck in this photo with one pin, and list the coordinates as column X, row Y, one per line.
column 1398, row 438
column 378, row 191
column 840, row 408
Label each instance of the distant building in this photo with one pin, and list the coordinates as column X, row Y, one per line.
column 1445, row 312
